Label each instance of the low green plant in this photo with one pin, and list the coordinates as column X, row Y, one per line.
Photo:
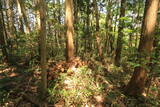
column 78, row 88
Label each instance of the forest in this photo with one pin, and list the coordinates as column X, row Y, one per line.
column 79, row 53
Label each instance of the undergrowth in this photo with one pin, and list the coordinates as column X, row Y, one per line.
column 76, row 87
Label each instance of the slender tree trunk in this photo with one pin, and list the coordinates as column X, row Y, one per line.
column 76, row 20
column 59, row 11
column 70, row 30
column 21, row 27
column 136, row 85
column 97, row 30
column 37, row 15
column 109, row 36
column 138, row 19
column 120, row 34
column 57, row 39
column 11, row 29
column 87, row 39
column 59, row 22
column 114, row 30
column 37, row 25
column 43, row 53
column 10, row 19
column 3, row 44
column 130, row 39
column 26, row 21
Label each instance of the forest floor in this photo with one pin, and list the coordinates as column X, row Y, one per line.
column 95, row 84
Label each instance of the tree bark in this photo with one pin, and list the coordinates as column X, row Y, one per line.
column 97, row 29
column 22, row 15
column 120, row 34
column 10, row 18
column 138, row 20
column 70, row 30
column 87, row 36
column 37, row 25
column 26, row 21
column 136, row 85
column 109, row 37
column 76, row 20
column 43, row 53
column 3, row 44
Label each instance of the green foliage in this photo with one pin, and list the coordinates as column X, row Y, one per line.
column 25, row 44
column 125, row 18
column 3, row 96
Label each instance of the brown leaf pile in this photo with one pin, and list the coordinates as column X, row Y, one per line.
column 63, row 66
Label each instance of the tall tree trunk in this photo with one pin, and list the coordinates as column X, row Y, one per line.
column 10, row 18
column 70, row 29
column 114, row 30
column 3, row 44
column 131, row 35
column 109, row 36
column 37, row 17
column 59, row 22
column 120, row 34
column 138, row 20
column 26, row 21
column 76, row 20
column 23, row 15
column 11, row 29
column 136, row 85
column 21, row 27
column 37, row 25
column 97, row 29
column 43, row 53
column 87, row 36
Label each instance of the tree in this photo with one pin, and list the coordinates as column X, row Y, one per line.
column 20, row 22
column 10, row 18
column 23, row 15
column 120, row 34
column 136, row 85
column 70, row 30
column 42, row 34
column 3, row 44
column 26, row 21
column 76, row 21
column 109, row 42
column 87, row 36
column 97, row 29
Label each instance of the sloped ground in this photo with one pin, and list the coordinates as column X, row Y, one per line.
column 15, row 82
column 75, row 84
column 108, row 91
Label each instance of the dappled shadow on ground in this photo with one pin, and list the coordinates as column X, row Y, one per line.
column 78, row 83
column 118, row 77
column 14, row 82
